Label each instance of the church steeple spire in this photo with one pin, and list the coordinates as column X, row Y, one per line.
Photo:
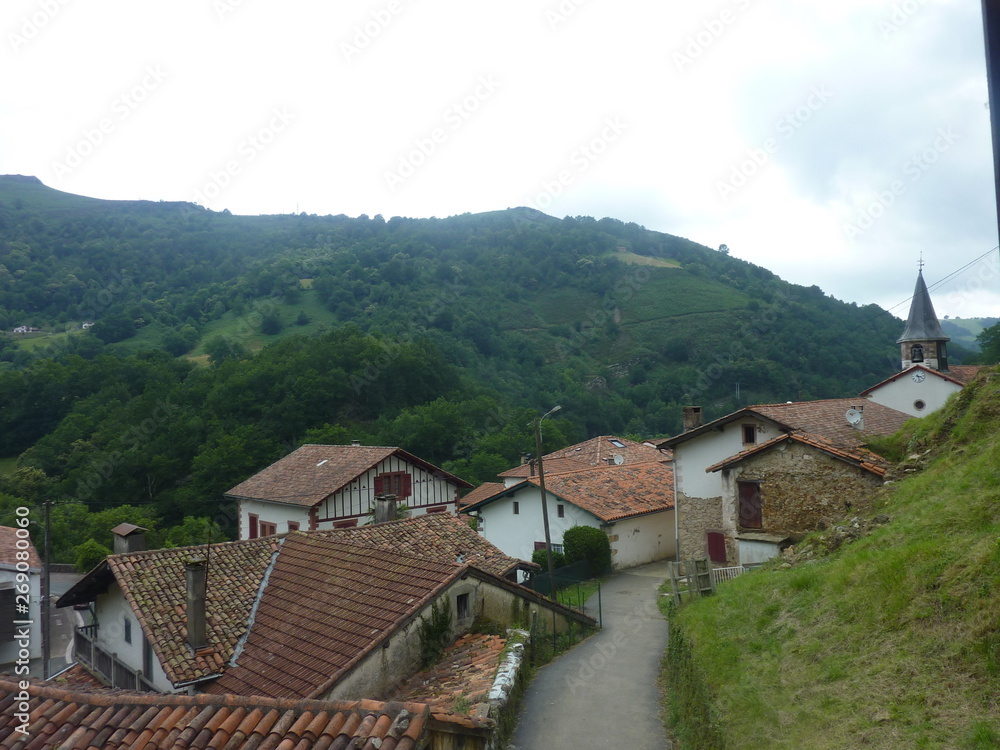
column 923, row 341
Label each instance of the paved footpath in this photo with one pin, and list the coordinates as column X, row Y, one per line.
column 603, row 693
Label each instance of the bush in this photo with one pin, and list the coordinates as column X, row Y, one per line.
column 538, row 557
column 89, row 554
column 590, row 544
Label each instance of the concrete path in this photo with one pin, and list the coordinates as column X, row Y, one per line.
column 603, row 693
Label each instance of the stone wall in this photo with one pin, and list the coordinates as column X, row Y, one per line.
column 697, row 515
column 802, row 489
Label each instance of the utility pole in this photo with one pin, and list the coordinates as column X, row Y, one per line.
column 545, row 505
column 991, row 35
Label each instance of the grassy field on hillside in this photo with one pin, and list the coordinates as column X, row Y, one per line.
column 892, row 641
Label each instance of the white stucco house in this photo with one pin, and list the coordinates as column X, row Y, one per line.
column 20, row 586
column 632, row 502
column 334, row 486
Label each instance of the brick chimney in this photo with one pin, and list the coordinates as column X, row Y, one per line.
column 129, row 538
column 196, row 572
column 692, row 418
column 385, row 508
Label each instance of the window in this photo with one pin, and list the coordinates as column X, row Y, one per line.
column 751, row 516
column 555, row 547
column 517, row 508
column 716, row 546
column 7, row 613
column 617, row 443
column 919, row 405
column 128, row 629
column 147, row 660
column 267, row 528
column 349, row 524
column 397, row 483
column 749, row 434
column 462, row 606
column 254, row 530
column 917, row 353
column 293, row 525
column 561, row 510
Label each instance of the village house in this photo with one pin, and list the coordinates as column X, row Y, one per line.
column 333, row 614
column 335, row 486
column 632, row 502
column 20, row 583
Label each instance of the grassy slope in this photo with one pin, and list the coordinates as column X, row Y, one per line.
column 890, row 642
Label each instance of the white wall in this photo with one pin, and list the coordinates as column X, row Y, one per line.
column 641, row 540
column 9, row 651
column 902, row 392
column 516, row 535
column 276, row 513
column 692, row 457
column 111, row 609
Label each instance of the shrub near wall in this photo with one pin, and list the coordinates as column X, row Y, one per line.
column 590, row 544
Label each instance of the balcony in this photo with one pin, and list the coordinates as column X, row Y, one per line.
column 107, row 666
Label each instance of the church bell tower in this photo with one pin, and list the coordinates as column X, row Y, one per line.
column 923, row 342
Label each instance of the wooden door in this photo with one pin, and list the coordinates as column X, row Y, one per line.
column 750, row 505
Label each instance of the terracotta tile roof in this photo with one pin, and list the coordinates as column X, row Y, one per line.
column 958, row 374
column 464, row 674
column 598, row 450
column 823, row 418
column 328, row 604
column 861, row 457
column 312, row 472
column 436, row 536
column 8, row 549
column 486, row 489
column 116, row 720
column 594, row 452
column 614, row 492
column 154, row 584
column 554, row 465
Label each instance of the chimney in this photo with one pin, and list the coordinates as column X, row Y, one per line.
column 525, row 457
column 531, row 467
column 356, row 443
column 692, row 418
column 129, row 538
column 385, row 508
column 196, row 572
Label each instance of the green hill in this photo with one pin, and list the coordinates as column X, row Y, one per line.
column 889, row 641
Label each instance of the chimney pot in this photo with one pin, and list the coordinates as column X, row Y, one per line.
column 385, row 508
column 692, row 418
column 129, row 538
column 196, row 572
column 356, row 443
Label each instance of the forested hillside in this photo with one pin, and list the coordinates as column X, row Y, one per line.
column 220, row 342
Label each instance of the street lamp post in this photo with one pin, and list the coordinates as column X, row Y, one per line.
column 545, row 505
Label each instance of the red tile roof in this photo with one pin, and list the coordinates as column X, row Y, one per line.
column 153, row 582
column 594, row 452
column 8, row 548
column 483, row 491
column 958, row 374
column 614, row 492
column 311, row 473
column 554, row 465
column 824, row 418
column 436, row 536
column 61, row 719
column 864, row 459
column 464, row 674
column 328, row 604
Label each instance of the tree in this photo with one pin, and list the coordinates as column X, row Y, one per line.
column 989, row 343
column 89, row 555
column 114, row 328
column 223, row 348
column 590, row 544
column 270, row 324
column 302, row 319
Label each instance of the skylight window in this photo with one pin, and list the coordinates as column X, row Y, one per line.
column 323, row 461
column 617, row 443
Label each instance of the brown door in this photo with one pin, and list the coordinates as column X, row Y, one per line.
column 750, row 511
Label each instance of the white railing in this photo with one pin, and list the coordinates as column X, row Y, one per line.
column 726, row 574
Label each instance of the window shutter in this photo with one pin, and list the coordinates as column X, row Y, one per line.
column 253, row 527
column 406, row 485
column 379, row 485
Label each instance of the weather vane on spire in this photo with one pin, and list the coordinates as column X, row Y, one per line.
column 920, row 265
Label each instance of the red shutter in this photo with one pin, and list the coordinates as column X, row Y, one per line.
column 379, row 485
column 405, row 485
column 253, row 527
column 716, row 546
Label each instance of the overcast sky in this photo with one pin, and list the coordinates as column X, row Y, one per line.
column 832, row 143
